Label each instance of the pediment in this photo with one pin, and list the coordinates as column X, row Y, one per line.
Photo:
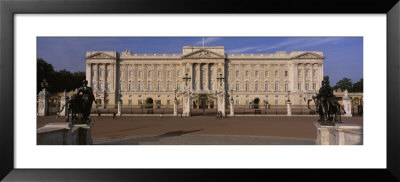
column 309, row 55
column 203, row 54
column 99, row 55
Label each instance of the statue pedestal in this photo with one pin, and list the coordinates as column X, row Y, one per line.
column 175, row 107
column 339, row 134
column 186, row 105
column 221, row 103
column 65, row 134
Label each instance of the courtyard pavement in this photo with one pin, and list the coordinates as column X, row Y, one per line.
column 203, row 130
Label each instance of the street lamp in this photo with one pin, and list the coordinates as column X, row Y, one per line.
column 231, row 95
column 288, row 97
column 186, row 78
column 175, row 93
column 220, row 79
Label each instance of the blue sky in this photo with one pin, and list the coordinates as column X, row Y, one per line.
column 344, row 55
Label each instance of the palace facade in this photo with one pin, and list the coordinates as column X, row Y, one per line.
column 256, row 79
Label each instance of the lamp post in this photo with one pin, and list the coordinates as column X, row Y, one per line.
column 186, row 93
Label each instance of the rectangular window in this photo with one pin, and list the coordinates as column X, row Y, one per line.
column 211, row 86
column 169, row 73
column 107, row 86
column 306, row 72
column 247, row 102
column 276, row 73
column 307, row 86
column 266, row 87
column 266, row 74
column 276, row 86
column 299, row 86
column 314, row 86
column 168, row 86
column 237, row 87
column 121, row 74
column 247, row 87
column 121, row 86
column 178, row 86
column 108, row 73
column 130, row 101
column 139, row 86
column 247, row 73
column 178, row 73
column 286, row 74
column 140, row 74
column 159, row 74
column 237, row 74
column 168, row 102
column 139, row 102
column 130, row 86
column 131, row 74
column 286, row 87
column 149, row 88
column 237, row 102
column 256, row 73
column 276, row 102
column 158, row 86
column 256, row 87
column 314, row 73
column 298, row 72
column 150, row 74
column 101, row 86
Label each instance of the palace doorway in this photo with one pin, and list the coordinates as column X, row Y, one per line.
column 149, row 103
column 256, row 103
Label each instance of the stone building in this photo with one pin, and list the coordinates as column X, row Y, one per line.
column 255, row 79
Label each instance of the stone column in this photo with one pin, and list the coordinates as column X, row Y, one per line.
column 98, row 76
column 43, row 107
column 63, row 102
column 175, row 107
column 104, row 76
column 221, row 102
column 198, row 76
column 289, row 108
column 119, row 108
column 232, row 113
column 186, row 103
column 207, row 82
column 89, row 74
column 347, row 104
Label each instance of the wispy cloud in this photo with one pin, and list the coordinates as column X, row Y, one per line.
column 207, row 41
column 243, row 49
column 296, row 43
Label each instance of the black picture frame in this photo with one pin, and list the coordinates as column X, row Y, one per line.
column 9, row 8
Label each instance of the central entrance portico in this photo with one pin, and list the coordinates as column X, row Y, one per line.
column 204, row 78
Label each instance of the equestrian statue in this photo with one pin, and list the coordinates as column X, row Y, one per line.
column 327, row 105
column 80, row 105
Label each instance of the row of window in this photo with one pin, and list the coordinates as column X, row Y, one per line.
column 150, row 73
column 256, row 73
column 276, row 88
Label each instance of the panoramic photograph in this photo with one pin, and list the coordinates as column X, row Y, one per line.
column 199, row 90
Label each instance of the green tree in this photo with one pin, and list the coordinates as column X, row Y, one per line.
column 58, row 81
column 344, row 84
column 358, row 86
column 44, row 71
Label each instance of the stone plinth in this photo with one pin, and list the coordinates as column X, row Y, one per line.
column 175, row 107
column 119, row 108
column 323, row 134
column 43, row 107
column 340, row 134
column 289, row 108
column 65, row 134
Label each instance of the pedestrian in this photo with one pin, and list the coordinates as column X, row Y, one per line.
column 98, row 113
column 58, row 115
column 161, row 115
column 114, row 115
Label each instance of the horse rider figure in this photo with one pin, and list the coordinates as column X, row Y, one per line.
column 327, row 105
column 87, row 98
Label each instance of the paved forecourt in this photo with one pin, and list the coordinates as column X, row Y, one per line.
column 202, row 129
